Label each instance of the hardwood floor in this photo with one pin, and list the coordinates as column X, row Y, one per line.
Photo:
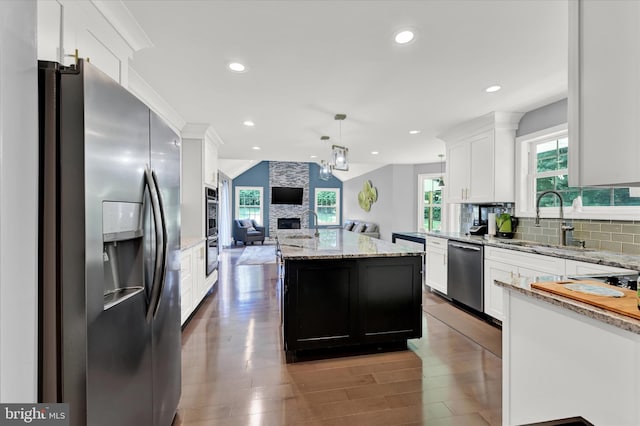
column 234, row 373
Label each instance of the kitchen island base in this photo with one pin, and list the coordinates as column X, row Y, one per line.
column 337, row 304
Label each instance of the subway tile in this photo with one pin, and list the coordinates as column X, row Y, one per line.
column 592, row 244
column 624, row 238
column 535, row 231
column 552, row 232
column 600, row 221
column 631, row 229
column 636, row 239
column 631, row 249
column 612, row 227
column 582, row 235
column 591, row 227
column 541, row 239
column 611, row 246
column 601, row 236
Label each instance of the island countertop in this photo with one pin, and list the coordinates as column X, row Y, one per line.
column 522, row 285
column 336, row 244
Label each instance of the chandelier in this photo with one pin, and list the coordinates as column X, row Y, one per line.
column 339, row 159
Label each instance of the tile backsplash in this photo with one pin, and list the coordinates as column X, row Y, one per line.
column 610, row 235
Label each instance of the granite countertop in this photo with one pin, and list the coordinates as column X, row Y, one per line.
column 188, row 242
column 336, row 244
column 523, row 285
column 574, row 253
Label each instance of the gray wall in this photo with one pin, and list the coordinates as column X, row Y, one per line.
column 543, row 118
column 396, row 208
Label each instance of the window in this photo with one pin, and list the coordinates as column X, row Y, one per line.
column 430, row 208
column 545, row 160
column 327, row 204
column 249, row 202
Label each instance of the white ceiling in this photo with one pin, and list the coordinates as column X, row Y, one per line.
column 309, row 60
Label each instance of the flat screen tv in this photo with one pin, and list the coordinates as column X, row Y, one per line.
column 284, row 195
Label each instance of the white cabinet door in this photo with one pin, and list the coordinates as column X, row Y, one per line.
column 482, row 167
column 604, row 93
column 458, row 173
column 210, row 163
column 436, row 264
column 186, row 284
column 494, row 294
column 198, row 271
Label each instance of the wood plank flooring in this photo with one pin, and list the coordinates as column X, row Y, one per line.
column 234, row 372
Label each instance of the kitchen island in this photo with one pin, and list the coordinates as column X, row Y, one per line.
column 342, row 290
column 564, row 358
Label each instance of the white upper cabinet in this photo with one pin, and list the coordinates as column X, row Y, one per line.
column 102, row 31
column 199, row 169
column 604, row 93
column 481, row 158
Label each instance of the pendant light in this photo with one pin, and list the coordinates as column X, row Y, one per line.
column 325, row 168
column 441, row 179
column 339, row 153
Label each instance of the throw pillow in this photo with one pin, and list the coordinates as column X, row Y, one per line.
column 348, row 226
column 251, row 229
column 372, row 227
column 361, row 227
column 247, row 223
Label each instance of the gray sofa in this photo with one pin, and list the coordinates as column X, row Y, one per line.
column 363, row 227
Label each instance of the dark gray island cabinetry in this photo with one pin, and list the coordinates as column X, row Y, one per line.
column 344, row 290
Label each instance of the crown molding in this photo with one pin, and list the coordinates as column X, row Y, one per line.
column 139, row 87
column 121, row 19
column 491, row 121
column 201, row 131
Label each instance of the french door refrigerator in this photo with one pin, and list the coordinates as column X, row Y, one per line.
column 110, row 336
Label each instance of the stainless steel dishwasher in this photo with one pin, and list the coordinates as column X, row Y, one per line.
column 465, row 274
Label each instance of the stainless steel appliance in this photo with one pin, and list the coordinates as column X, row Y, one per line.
column 110, row 336
column 211, row 218
column 465, row 274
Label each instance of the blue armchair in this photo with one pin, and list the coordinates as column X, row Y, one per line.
column 247, row 231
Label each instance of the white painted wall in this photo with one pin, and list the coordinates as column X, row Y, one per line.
column 18, row 206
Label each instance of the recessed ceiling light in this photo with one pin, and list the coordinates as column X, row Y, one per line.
column 375, row 152
column 237, row 67
column 314, row 156
column 249, row 123
column 493, row 88
column 414, row 132
column 404, row 37
column 257, row 148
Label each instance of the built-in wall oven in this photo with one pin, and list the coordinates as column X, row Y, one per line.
column 211, row 226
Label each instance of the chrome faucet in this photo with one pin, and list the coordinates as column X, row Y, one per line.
column 563, row 224
column 317, row 233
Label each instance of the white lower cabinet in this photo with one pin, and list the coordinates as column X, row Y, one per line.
column 193, row 286
column 436, row 264
column 507, row 265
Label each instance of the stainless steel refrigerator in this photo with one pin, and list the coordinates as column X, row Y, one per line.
column 110, row 338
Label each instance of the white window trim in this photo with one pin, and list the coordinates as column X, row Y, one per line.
column 443, row 206
column 525, row 185
column 315, row 205
column 237, row 201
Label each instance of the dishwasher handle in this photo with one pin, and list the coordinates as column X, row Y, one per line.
column 464, row 247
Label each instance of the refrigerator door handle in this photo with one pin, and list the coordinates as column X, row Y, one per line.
column 158, row 264
column 164, row 245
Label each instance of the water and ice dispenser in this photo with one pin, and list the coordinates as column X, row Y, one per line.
column 122, row 256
